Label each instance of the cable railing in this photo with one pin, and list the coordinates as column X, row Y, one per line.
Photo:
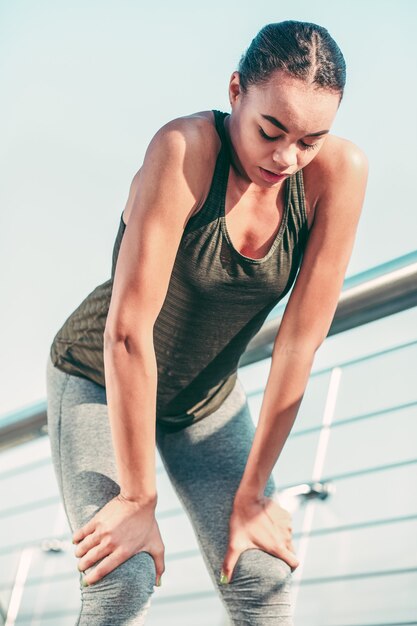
column 367, row 296
column 333, row 470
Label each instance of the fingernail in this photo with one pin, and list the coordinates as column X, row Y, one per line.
column 223, row 578
column 159, row 581
column 84, row 582
column 73, row 541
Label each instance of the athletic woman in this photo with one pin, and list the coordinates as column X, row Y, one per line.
column 227, row 212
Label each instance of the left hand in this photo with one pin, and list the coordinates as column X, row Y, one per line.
column 262, row 524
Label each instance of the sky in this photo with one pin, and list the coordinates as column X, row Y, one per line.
column 86, row 84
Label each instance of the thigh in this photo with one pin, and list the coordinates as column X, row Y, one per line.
column 81, row 445
column 85, row 466
column 205, row 463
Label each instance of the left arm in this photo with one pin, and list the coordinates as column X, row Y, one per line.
column 304, row 326
column 307, row 316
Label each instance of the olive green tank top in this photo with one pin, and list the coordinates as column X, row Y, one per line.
column 217, row 300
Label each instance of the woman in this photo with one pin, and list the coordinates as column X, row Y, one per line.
column 218, row 219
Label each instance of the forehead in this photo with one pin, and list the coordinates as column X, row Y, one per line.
column 299, row 105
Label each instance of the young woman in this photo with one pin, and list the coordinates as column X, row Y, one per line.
column 227, row 211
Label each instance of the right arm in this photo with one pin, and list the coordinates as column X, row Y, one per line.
column 163, row 195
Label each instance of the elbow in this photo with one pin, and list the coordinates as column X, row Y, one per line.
column 125, row 353
column 113, row 337
column 301, row 344
column 133, row 343
column 313, row 342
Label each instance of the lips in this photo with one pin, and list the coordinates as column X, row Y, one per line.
column 276, row 173
column 271, row 177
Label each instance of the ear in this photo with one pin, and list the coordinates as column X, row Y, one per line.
column 234, row 88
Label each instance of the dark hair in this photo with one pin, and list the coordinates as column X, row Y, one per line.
column 301, row 49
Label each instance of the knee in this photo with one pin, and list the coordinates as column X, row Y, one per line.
column 123, row 593
column 259, row 592
column 260, row 572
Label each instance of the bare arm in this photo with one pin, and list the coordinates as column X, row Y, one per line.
column 257, row 521
column 163, row 195
column 308, row 314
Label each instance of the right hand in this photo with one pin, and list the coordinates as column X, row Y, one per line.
column 119, row 530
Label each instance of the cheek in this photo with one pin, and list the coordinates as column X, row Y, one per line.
column 307, row 156
column 243, row 143
column 250, row 149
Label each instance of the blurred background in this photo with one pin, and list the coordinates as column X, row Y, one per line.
column 85, row 86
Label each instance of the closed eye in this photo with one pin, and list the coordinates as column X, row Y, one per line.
column 265, row 136
column 304, row 146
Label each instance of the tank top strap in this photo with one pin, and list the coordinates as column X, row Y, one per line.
column 219, row 117
column 299, row 195
column 211, row 208
column 297, row 214
column 224, row 157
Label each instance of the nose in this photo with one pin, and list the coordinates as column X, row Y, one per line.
column 285, row 157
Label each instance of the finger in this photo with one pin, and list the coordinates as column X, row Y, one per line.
column 158, row 557
column 292, row 549
column 157, row 552
column 88, row 528
column 92, row 556
column 229, row 563
column 86, row 544
column 107, row 565
column 287, row 556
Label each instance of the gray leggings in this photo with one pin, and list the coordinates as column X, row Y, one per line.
column 204, row 462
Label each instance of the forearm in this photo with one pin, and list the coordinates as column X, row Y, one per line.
column 131, row 385
column 284, row 390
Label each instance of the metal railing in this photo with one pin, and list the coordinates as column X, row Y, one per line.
column 366, row 297
column 370, row 295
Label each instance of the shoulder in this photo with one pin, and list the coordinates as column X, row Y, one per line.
column 337, row 175
column 339, row 166
column 195, row 132
column 191, row 144
column 340, row 157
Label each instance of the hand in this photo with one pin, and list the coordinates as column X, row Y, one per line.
column 262, row 524
column 119, row 530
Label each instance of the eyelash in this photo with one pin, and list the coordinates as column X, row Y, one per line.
column 305, row 145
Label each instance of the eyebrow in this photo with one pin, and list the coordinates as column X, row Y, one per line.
column 278, row 124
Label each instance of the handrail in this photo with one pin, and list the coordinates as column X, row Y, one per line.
column 370, row 295
column 377, row 296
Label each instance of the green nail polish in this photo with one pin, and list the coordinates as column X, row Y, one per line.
column 159, row 581
column 223, row 578
column 84, row 582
